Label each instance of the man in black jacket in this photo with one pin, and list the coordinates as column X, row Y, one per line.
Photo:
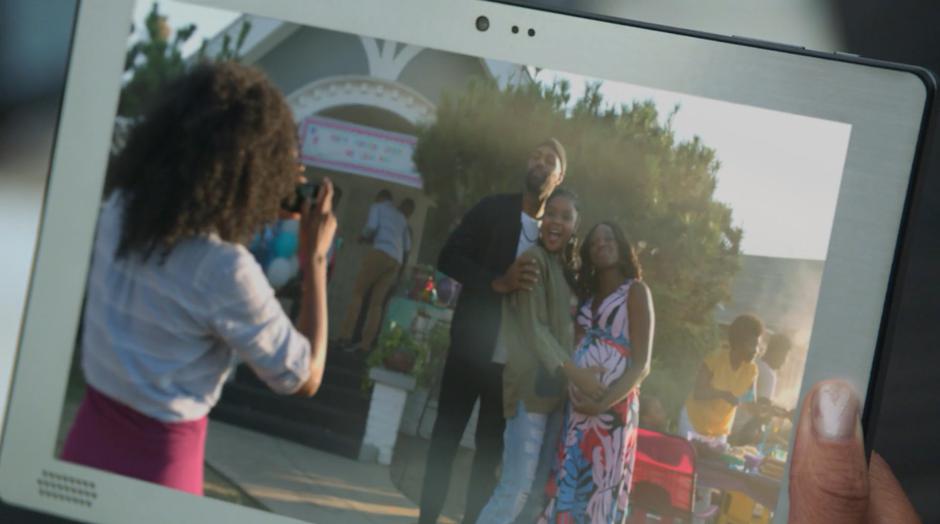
column 483, row 255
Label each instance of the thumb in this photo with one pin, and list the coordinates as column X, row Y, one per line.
column 828, row 475
column 889, row 503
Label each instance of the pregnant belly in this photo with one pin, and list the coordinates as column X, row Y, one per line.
column 602, row 355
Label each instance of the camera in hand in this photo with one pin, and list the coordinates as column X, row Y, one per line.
column 307, row 190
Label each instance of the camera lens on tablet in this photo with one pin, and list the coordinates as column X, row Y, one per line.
column 483, row 23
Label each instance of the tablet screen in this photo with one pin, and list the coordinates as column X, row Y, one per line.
column 724, row 212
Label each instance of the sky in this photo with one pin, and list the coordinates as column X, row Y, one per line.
column 780, row 173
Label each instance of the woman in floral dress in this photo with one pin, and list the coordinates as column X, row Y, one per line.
column 594, row 466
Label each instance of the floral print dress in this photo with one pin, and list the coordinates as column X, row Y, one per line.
column 594, row 466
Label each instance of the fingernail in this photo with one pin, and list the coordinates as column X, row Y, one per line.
column 835, row 411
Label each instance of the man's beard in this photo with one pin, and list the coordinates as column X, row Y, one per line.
column 535, row 181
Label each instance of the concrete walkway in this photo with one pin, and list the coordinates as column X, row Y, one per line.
column 300, row 482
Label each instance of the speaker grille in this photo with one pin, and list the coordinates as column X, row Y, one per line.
column 66, row 488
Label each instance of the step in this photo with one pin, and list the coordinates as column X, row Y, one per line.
column 353, row 399
column 339, row 388
column 340, row 358
column 301, row 433
column 297, row 409
column 344, row 377
column 335, row 373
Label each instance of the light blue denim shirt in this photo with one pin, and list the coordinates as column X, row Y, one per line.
column 161, row 337
column 391, row 230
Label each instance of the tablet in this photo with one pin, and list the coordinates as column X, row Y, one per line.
column 754, row 181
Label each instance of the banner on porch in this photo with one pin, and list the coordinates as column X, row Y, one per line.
column 361, row 150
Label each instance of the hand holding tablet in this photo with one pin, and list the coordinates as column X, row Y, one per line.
column 830, row 480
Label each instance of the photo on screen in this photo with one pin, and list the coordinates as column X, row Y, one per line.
column 722, row 211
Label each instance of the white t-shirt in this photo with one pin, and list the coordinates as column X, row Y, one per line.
column 528, row 236
column 766, row 380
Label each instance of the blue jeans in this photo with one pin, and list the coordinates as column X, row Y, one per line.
column 537, row 500
column 522, row 447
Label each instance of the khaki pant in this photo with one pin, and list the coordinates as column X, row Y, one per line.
column 378, row 271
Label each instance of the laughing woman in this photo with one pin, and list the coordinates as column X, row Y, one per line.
column 596, row 453
column 538, row 334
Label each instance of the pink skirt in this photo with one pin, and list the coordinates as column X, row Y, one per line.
column 113, row 437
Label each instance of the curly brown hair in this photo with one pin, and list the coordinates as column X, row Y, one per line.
column 215, row 153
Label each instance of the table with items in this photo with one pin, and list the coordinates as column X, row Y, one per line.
column 749, row 477
column 744, row 470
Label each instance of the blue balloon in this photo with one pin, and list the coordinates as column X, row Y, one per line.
column 285, row 245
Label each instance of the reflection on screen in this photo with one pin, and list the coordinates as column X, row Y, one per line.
column 506, row 236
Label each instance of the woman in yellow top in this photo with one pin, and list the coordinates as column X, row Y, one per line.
column 724, row 381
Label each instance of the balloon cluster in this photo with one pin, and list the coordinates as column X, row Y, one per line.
column 282, row 264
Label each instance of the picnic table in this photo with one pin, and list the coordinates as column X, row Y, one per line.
column 713, row 473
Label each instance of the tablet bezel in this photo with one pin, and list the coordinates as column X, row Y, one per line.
column 83, row 139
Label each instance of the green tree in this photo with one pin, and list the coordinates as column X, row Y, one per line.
column 228, row 51
column 628, row 167
column 157, row 58
column 152, row 61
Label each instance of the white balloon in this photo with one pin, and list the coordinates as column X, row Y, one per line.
column 294, row 266
column 290, row 226
column 279, row 272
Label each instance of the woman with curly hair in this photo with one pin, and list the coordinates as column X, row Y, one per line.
column 594, row 467
column 173, row 295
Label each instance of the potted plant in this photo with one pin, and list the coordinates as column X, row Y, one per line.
column 391, row 371
column 427, row 374
column 396, row 350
